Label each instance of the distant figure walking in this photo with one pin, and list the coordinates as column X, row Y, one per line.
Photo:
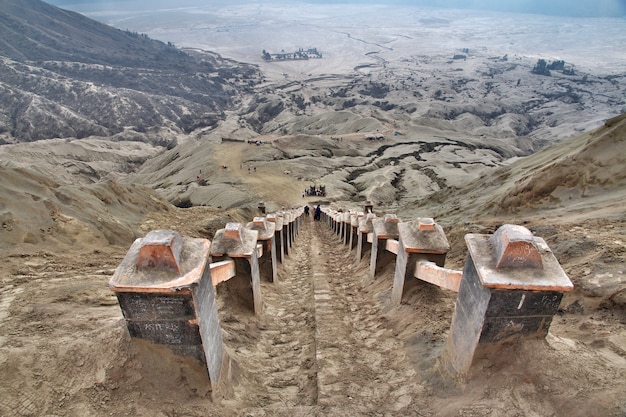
column 318, row 213
column 306, row 210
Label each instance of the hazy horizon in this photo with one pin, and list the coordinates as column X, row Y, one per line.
column 576, row 8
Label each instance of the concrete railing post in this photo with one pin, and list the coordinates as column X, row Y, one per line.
column 292, row 222
column 511, row 288
column 300, row 219
column 166, row 294
column 294, row 228
column 326, row 217
column 277, row 219
column 383, row 228
column 240, row 244
column 294, row 225
column 365, row 227
column 339, row 220
column 420, row 239
column 330, row 214
column 346, row 228
column 354, row 229
column 286, row 232
column 267, row 263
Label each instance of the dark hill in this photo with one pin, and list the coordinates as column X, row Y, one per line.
column 36, row 31
column 64, row 75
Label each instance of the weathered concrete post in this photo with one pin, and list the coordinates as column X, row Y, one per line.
column 383, row 228
column 299, row 219
column 421, row 239
column 294, row 225
column 240, row 244
column 286, row 232
column 330, row 213
column 354, row 229
column 511, row 288
column 365, row 228
column 337, row 217
column 166, row 294
column 327, row 213
column 346, row 228
column 277, row 219
column 325, row 217
column 292, row 219
column 267, row 263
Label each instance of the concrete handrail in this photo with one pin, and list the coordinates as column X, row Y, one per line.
column 222, row 271
column 442, row 277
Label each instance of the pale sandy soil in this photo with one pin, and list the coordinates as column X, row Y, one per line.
column 270, row 182
column 328, row 343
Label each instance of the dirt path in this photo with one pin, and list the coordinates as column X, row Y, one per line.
column 282, row 359
column 323, row 344
column 361, row 364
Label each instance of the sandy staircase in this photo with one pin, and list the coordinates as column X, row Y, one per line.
column 342, row 359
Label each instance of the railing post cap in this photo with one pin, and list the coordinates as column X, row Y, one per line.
column 391, row 218
column 512, row 258
column 265, row 228
column 515, row 247
column 233, row 230
column 160, row 249
column 162, row 261
column 423, row 235
column 425, row 223
column 277, row 220
column 259, row 220
column 386, row 227
column 365, row 223
column 234, row 240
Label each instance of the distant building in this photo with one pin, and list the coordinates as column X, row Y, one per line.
column 300, row 54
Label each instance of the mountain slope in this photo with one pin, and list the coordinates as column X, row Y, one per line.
column 64, row 75
column 34, row 30
column 583, row 177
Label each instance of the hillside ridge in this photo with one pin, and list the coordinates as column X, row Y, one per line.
column 65, row 75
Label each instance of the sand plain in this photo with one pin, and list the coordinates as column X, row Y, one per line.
column 69, row 216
